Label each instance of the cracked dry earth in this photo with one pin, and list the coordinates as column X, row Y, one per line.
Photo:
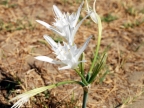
column 21, row 39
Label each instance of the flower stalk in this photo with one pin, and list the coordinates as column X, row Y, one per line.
column 85, row 97
column 81, row 65
column 96, row 18
column 98, row 43
column 23, row 98
column 91, row 74
column 82, row 77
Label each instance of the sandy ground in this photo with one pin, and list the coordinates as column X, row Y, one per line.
column 21, row 39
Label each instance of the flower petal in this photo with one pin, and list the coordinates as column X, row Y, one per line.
column 78, row 14
column 87, row 6
column 83, row 48
column 65, row 67
column 47, row 59
column 50, row 41
column 20, row 102
column 76, row 28
column 50, row 27
column 93, row 17
column 57, row 11
column 93, row 14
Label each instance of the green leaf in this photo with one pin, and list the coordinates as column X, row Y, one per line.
column 98, row 68
column 81, row 65
column 104, row 75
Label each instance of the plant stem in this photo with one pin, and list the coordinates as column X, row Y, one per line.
column 97, row 17
column 85, row 96
column 81, row 65
column 98, row 42
column 82, row 77
column 42, row 89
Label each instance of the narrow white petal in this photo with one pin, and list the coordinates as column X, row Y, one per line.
column 44, row 24
column 20, row 102
column 47, row 59
column 57, row 11
column 65, row 67
column 77, row 27
column 50, row 27
column 87, row 6
column 93, row 17
column 50, row 41
column 44, row 58
column 94, row 5
column 83, row 48
column 78, row 14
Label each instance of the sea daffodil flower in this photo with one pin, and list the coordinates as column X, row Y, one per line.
column 20, row 102
column 24, row 98
column 67, row 54
column 93, row 12
column 65, row 25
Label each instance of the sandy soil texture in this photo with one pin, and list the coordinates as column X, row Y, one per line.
column 21, row 39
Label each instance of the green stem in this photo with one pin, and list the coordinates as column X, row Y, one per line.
column 85, row 96
column 67, row 82
column 82, row 64
column 82, row 77
column 98, row 43
column 42, row 89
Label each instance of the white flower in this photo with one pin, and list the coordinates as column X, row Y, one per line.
column 23, row 98
column 93, row 12
column 65, row 24
column 67, row 54
column 20, row 102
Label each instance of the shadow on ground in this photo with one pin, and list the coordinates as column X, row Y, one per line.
column 7, row 84
column 2, row 105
